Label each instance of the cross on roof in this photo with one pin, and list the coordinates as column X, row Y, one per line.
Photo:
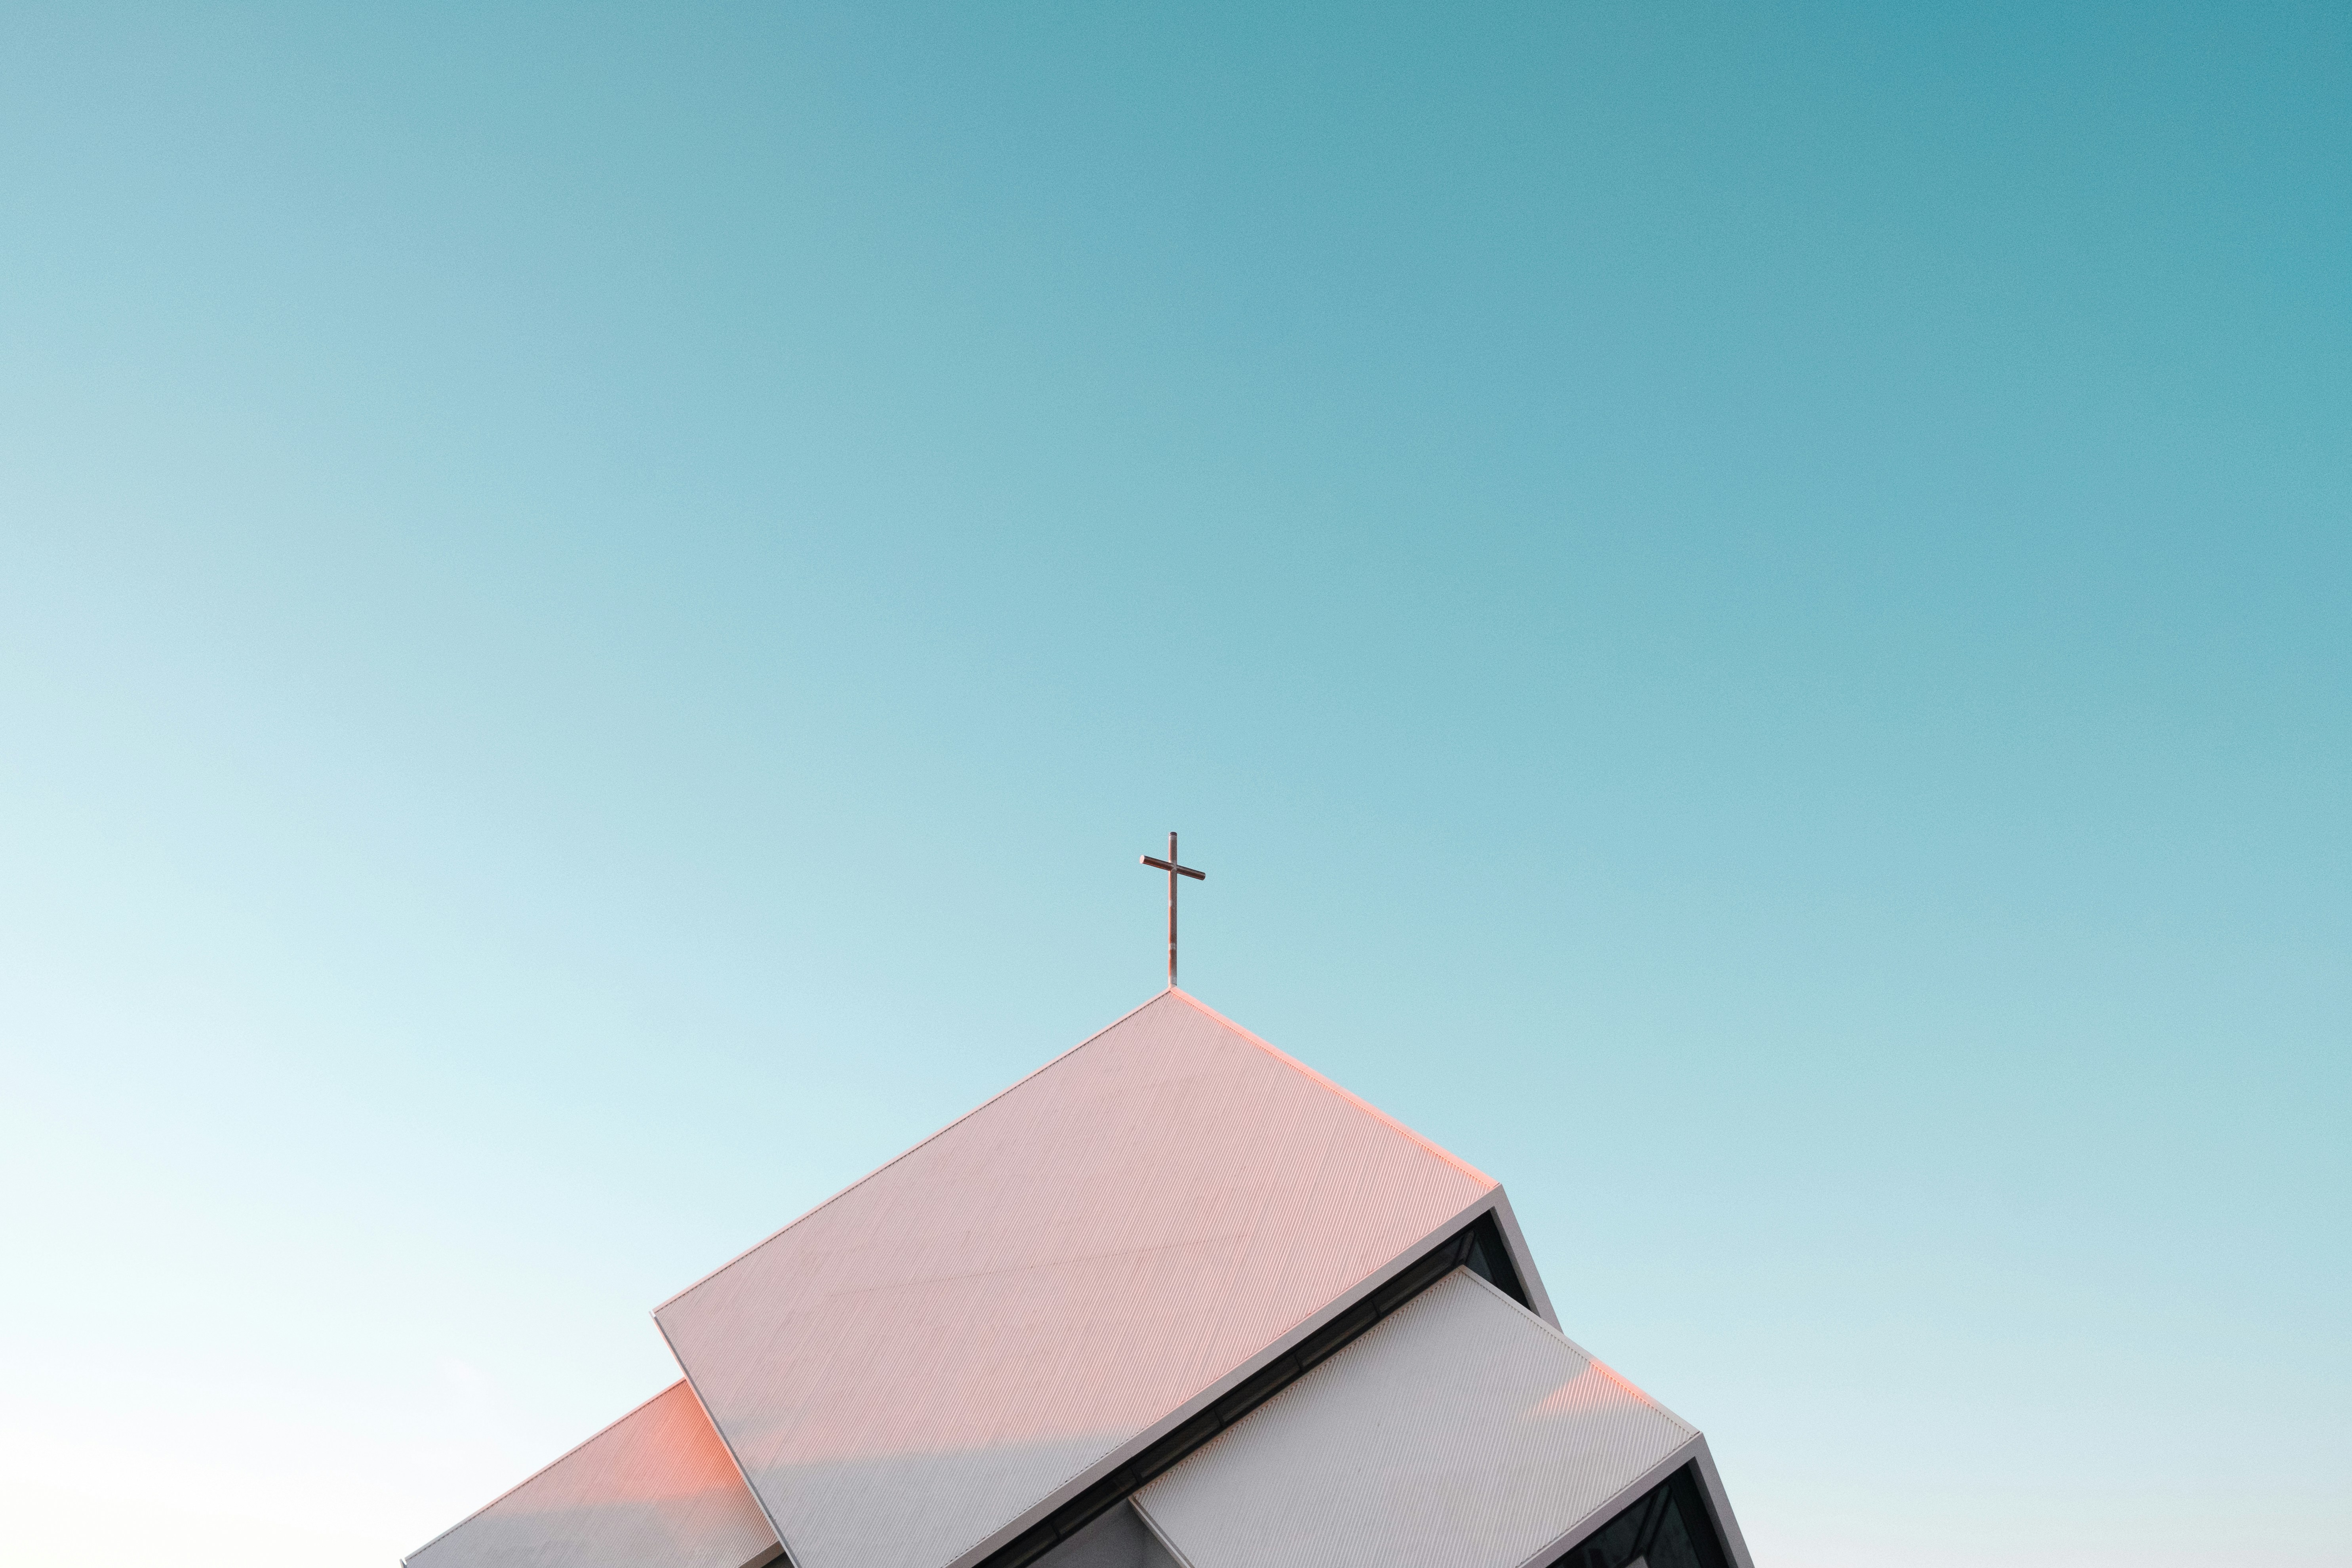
column 1174, row 870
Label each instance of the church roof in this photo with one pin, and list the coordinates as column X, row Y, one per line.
column 655, row 1486
column 1461, row 1431
column 931, row 1361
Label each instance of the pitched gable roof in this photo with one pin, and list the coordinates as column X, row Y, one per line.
column 921, row 1365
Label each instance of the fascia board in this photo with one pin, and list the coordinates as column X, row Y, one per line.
column 1225, row 1385
column 1727, row 1523
column 1530, row 1277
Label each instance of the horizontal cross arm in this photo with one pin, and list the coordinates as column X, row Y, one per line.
column 1180, row 870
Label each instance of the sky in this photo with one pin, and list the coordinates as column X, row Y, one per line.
column 1746, row 607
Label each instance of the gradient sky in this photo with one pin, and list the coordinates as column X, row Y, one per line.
column 1747, row 607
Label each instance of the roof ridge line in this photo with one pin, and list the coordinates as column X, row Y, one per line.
column 1358, row 1100
column 904, row 1153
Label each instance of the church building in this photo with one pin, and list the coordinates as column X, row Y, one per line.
column 1174, row 1301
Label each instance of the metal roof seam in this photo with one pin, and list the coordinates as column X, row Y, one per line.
column 907, row 1153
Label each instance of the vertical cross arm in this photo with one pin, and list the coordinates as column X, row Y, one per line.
column 1175, row 868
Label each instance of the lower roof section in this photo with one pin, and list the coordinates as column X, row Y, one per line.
column 656, row 1488
column 1459, row 1432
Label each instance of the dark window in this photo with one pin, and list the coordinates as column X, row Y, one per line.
column 1490, row 1260
column 1669, row 1526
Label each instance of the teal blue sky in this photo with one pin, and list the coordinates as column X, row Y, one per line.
column 1745, row 606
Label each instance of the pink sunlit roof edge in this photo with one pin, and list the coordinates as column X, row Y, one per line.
column 1506, row 1218
column 556, row 1462
column 1358, row 1101
column 741, row 1475
column 843, row 1192
column 1212, row 1013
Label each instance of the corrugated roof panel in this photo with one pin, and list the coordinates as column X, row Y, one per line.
column 656, row 1487
column 910, row 1369
column 1459, row 1432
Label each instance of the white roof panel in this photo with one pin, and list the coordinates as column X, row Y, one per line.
column 921, row 1365
column 1461, row 1431
column 656, row 1487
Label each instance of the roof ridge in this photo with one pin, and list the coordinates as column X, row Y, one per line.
column 1358, row 1101
column 907, row 1153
